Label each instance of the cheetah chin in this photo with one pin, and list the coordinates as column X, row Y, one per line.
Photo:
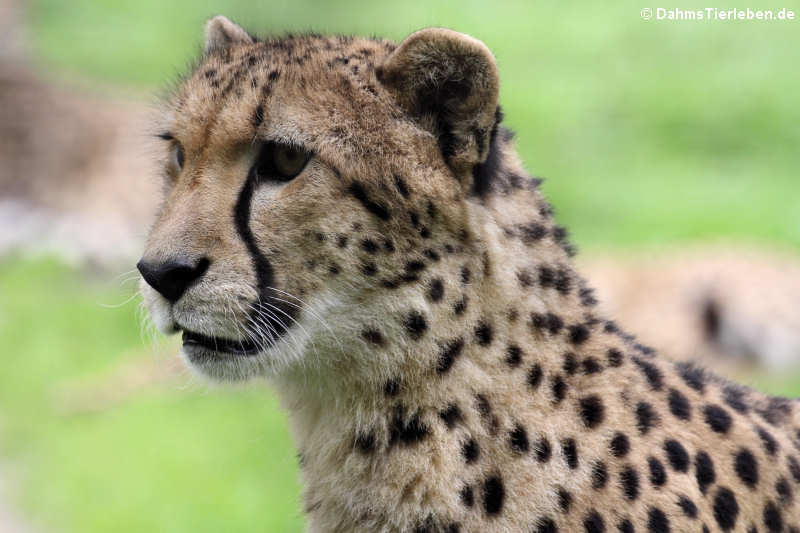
column 349, row 218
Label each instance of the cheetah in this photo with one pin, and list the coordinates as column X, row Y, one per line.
column 347, row 218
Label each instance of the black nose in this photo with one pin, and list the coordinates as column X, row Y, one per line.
column 172, row 277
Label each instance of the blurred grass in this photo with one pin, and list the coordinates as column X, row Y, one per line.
column 650, row 133
column 167, row 459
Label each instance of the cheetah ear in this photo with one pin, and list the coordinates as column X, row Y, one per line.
column 221, row 33
column 448, row 82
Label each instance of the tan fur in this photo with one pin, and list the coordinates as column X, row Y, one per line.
column 367, row 386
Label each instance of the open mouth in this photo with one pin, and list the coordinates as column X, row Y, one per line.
column 218, row 344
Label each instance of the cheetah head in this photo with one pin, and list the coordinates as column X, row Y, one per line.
column 307, row 180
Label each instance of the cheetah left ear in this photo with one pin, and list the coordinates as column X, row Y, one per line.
column 449, row 83
column 221, row 33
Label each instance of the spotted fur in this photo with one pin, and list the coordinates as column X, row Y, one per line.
column 414, row 302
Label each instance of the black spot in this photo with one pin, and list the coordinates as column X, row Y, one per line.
column 717, row 418
column 451, row 416
column 658, row 474
column 369, row 268
column 563, row 282
column 693, row 376
column 460, row 306
column 679, row 405
column 370, row 246
column 482, row 404
column 465, row 275
column 592, row 411
column 657, row 521
column 554, row 323
column 546, row 525
column 406, row 432
column 360, row 194
column 274, row 75
column 784, row 491
column 629, row 481
column 334, row 269
column 620, row 445
column 559, row 388
column 543, row 450
column 518, row 439
column 677, row 455
column 626, row 526
column 769, row 442
column 704, row 471
column 414, row 266
column 746, row 467
column 651, row 372
column 578, row 334
column 532, row 232
column 772, row 518
column 391, row 388
column 735, row 397
column 794, row 468
column 416, row 325
column 590, row 365
column 726, row 509
column 373, row 336
column 587, row 297
column 401, row 186
column 513, row 356
column 777, row 411
column 593, row 523
column 547, row 276
column 535, row 375
column 687, row 506
column 570, row 365
column 471, row 451
column 467, row 498
column 341, row 241
column 493, row 495
column 570, row 451
column 483, row 334
column 599, row 475
column 365, row 443
column 424, row 232
column 564, row 499
column 431, row 254
column 525, row 278
column 436, row 290
column 451, row 351
column 614, row 357
column 646, row 417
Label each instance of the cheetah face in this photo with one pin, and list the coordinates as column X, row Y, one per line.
column 302, row 176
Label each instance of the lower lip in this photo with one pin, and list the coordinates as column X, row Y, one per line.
column 224, row 346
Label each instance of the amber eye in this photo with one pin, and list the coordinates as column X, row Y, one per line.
column 280, row 162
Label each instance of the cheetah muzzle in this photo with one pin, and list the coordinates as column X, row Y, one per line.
column 349, row 218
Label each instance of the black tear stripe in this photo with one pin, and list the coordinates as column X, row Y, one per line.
column 271, row 312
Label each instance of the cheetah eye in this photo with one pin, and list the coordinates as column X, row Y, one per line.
column 280, row 162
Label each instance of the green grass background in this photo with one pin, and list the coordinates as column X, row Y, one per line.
column 648, row 132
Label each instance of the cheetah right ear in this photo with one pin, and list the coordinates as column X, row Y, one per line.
column 448, row 83
column 221, row 33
